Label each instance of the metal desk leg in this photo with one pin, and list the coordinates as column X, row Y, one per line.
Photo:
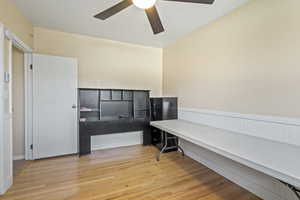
column 164, row 137
column 295, row 190
column 179, row 147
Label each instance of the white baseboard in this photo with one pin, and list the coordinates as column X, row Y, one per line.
column 116, row 140
column 19, row 157
column 282, row 129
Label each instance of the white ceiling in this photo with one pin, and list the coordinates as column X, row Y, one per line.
column 130, row 25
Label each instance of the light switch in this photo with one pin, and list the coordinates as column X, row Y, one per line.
column 6, row 77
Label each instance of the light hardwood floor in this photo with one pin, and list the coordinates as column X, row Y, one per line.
column 128, row 173
column 18, row 166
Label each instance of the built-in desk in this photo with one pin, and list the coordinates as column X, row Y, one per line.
column 88, row 129
column 275, row 159
column 110, row 111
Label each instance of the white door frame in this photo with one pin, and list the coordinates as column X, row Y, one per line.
column 16, row 42
column 2, row 178
column 28, row 111
column 19, row 44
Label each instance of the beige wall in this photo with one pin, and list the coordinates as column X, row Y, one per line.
column 18, row 103
column 247, row 62
column 105, row 63
column 13, row 19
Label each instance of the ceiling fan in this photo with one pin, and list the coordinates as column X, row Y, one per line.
column 150, row 9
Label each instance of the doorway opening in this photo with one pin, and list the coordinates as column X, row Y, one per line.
column 18, row 109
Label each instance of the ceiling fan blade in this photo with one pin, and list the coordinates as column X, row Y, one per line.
column 154, row 20
column 114, row 10
column 195, row 1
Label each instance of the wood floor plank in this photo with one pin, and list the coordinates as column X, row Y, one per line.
column 127, row 173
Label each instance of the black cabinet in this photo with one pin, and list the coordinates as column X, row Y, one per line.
column 109, row 111
column 163, row 108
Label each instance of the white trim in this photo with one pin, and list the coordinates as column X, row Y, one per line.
column 17, row 42
column 2, row 180
column 28, row 106
column 6, row 158
column 19, row 157
column 264, row 118
column 10, row 142
column 6, row 177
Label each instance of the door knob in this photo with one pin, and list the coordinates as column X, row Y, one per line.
column 74, row 106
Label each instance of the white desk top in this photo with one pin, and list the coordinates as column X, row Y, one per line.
column 276, row 159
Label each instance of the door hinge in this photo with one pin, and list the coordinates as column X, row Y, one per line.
column 31, row 66
column 31, row 146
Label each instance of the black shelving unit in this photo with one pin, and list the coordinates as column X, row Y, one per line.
column 162, row 108
column 109, row 111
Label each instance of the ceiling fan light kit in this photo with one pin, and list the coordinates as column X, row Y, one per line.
column 150, row 9
column 144, row 4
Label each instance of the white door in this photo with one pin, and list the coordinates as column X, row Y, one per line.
column 54, row 106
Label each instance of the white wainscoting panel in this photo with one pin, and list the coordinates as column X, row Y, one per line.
column 286, row 130
column 281, row 129
column 116, row 140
